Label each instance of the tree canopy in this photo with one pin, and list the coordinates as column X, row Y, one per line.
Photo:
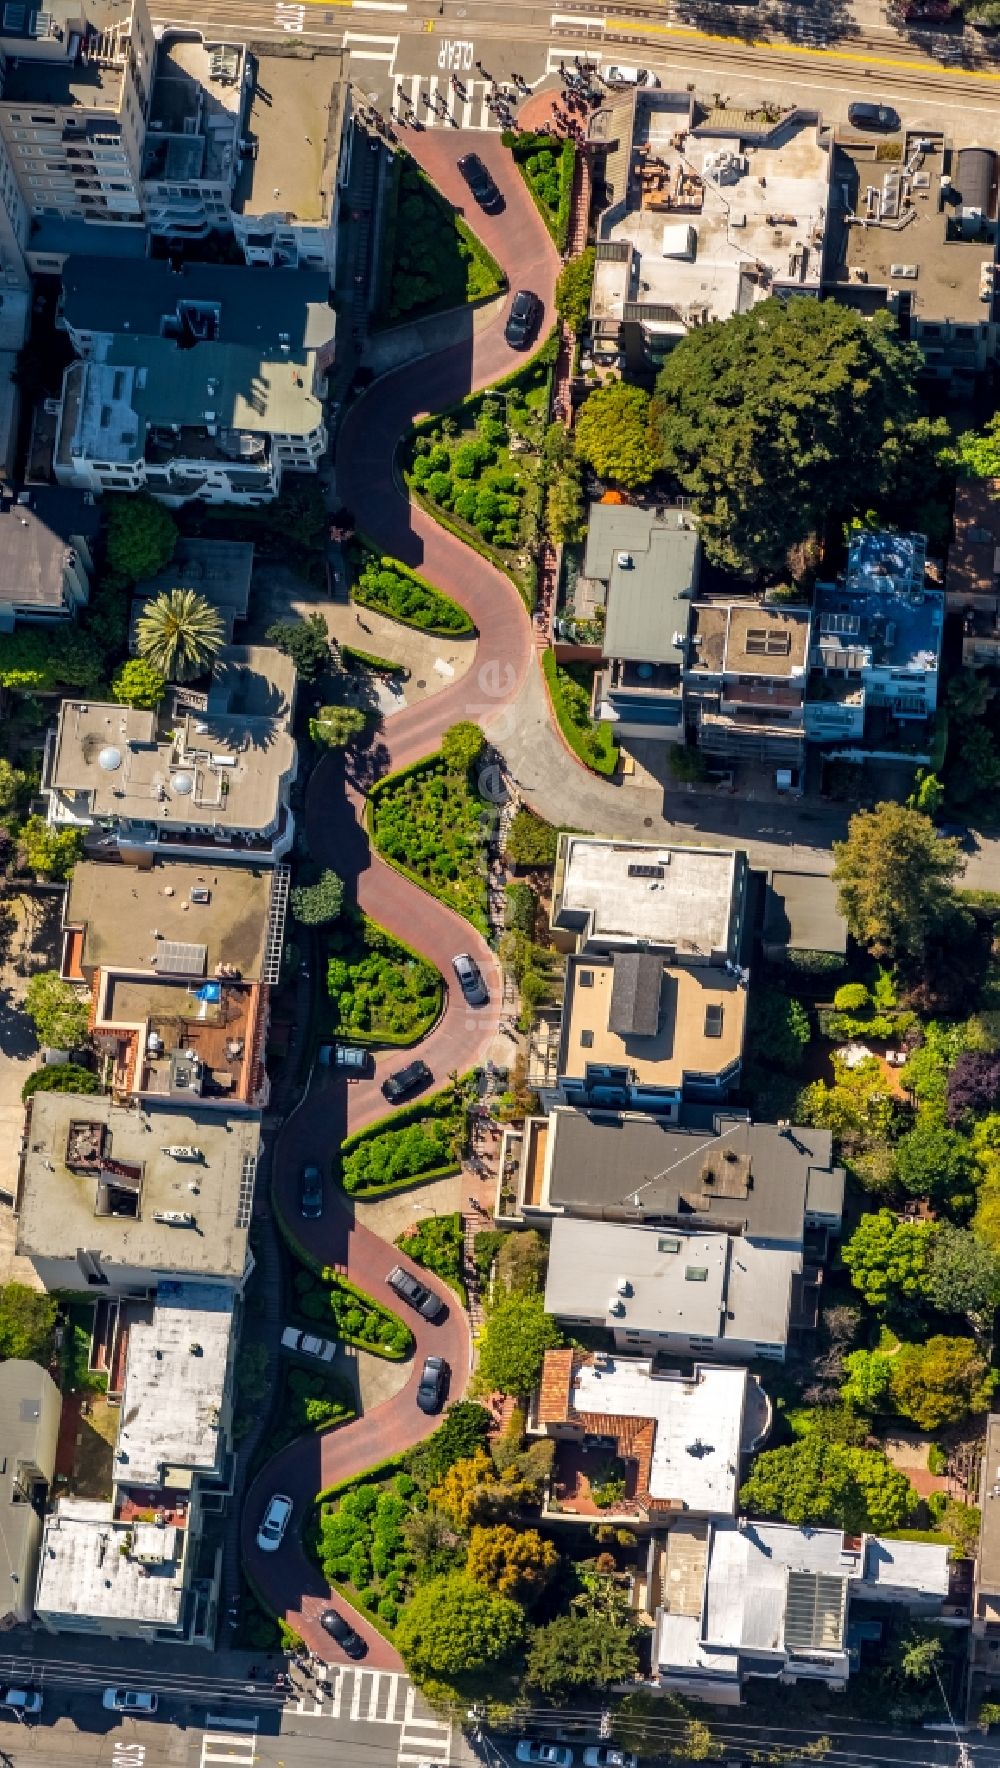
column 977, row 452
column 778, row 417
column 514, row 1562
column 334, row 727
column 888, row 1259
column 316, row 904
column 531, row 841
column 50, row 853
column 141, row 538
column 59, row 1012
column 573, row 289
column 454, row 1626
column 813, row 1481
column 963, row 1274
column 613, row 436
column 579, row 1651
column 60, row 1077
column 895, row 879
column 517, row 1334
column 940, row 1382
column 138, row 684
column 307, row 642
column 27, row 1322
column 179, row 633
column 462, row 745
column 933, row 1161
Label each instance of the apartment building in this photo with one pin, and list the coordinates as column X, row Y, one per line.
column 745, row 677
column 46, row 562
column 984, row 1645
column 640, row 572
column 207, row 777
column 30, row 1407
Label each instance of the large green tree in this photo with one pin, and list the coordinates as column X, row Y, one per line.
column 137, row 683
column 60, row 1077
column 50, row 853
column 306, row 641
column 940, row 1382
column 895, row 879
column 454, row 1626
column 141, row 537
column 518, row 1332
column 777, row 418
column 334, row 727
column 815, row 1482
column 579, row 1651
column 59, row 1012
column 888, row 1259
column 933, row 1161
column 179, row 633
column 963, row 1275
column 612, row 434
column 316, row 904
column 27, row 1322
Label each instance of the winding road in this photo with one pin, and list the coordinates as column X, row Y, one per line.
column 368, row 484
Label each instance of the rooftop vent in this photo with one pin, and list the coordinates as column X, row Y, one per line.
column 625, row 561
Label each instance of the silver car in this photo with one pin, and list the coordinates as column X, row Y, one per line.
column 471, row 977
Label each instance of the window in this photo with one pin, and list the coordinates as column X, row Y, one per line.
column 768, row 641
column 586, row 1040
column 670, row 1244
column 586, row 978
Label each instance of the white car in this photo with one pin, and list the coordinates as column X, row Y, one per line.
column 548, row 1755
column 129, row 1700
column 606, row 1756
column 21, row 1700
column 274, row 1523
column 629, row 76
column 308, row 1346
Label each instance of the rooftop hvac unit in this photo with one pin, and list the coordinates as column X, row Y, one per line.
column 616, row 1306
column 625, row 561
column 183, row 1151
column 174, row 1218
column 907, row 272
column 623, row 1286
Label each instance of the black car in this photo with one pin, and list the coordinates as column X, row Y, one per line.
column 406, row 1080
column 417, row 1294
column 342, row 1631
column 522, row 319
column 311, row 1193
column 480, row 183
column 430, row 1392
column 873, row 116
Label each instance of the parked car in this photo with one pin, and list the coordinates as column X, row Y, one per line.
column 629, row 76
column 880, row 117
column 522, row 320
column 311, row 1193
column 350, row 1059
column 417, row 1294
column 604, row 1755
column 471, row 978
column 433, row 1376
column 406, row 1080
column 130, row 1700
column 550, row 1755
column 305, row 1345
column 342, row 1631
column 480, row 182
column 274, row 1523
column 21, row 1700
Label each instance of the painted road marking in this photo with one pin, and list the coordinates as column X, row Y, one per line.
column 626, row 27
column 290, row 18
column 457, row 55
column 469, row 113
column 127, row 1755
column 234, row 1747
column 364, row 47
column 422, row 1739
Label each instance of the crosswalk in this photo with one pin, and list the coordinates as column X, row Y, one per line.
column 237, row 1749
column 381, row 1697
column 470, row 112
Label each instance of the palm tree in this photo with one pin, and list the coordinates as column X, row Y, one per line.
column 179, row 634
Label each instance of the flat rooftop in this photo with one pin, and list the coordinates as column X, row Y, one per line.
column 988, row 1569
column 126, row 916
column 802, row 914
column 69, row 85
column 175, row 1376
column 238, row 305
column 62, row 1208
column 749, row 638
column 220, row 570
column 974, row 554
column 37, row 543
column 195, row 109
column 86, row 1571
column 700, row 1015
column 296, row 118
column 685, row 898
column 643, row 564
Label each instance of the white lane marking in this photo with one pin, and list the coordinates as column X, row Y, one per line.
column 239, row 1749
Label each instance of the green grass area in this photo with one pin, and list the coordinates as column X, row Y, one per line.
column 420, row 1142
column 437, row 1243
column 311, row 1400
column 74, row 1352
column 378, row 990
column 569, row 688
column 326, row 1302
column 431, row 260
column 547, row 170
column 428, row 821
column 387, row 587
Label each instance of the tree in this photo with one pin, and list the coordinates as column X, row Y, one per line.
column 888, row 1259
column 815, row 1482
column 473, row 1492
column 932, row 1161
column 777, row 417
column 514, row 1562
column 138, row 684
column 920, row 1655
column 142, row 535
column 50, row 853
column 637, row 1725
column 576, row 1652
column 859, row 1107
column 59, row 1012
column 531, row 841
column 463, row 1431
column 613, row 436
column 895, row 880
column 178, row 633
column 27, row 1322
column 973, row 1085
column 977, row 452
column 941, row 1382
column 462, row 746
column 868, row 1376
column 11, row 782
column 573, row 289
column 317, row 904
column 963, row 1274
column 334, row 727
column 564, row 507
column 453, row 1626
column 517, row 1334
column 778, row 1026
column 307, row 642
column 60, row 1077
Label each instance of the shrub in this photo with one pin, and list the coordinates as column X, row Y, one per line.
column 591, row 742
column 423, row 1139
column 388, row 587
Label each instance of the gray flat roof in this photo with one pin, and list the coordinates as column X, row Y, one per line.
column 801, row 913
column 296, row 118
column 988, row 1570
column 122, row 911
column 35, row 539
column 220, row 570
column 649, row 598
column 85, row 1572
column 57, row 1206
column 30, row 1407
column 622, row 891
column 253, row 306
column 175, row 1373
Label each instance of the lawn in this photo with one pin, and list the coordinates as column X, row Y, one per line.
column 547, row 170
column 569, row 686
column 387, row 587
column 438, row 1243
column 422, row 1141
column 328, row 1303
column 431, row 260
column 379, row 991
column 429, row 822
column 74, row 1352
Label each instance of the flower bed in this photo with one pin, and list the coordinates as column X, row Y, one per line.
column 380, row 992
column 422, row 1141
column 438, row 1243
column 593, row 743
column 387, row 587
column 428, row 822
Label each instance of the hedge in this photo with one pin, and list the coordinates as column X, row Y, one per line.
column 523, row 147
column 401, row 1120
column 375, row 793
column 333, row 1279
column 368, row 660
column 599, row 754
column 452, row 621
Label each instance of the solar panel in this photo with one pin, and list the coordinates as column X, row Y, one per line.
column 173, row 957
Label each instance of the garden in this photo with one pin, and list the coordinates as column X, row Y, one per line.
column 325, row 1302
column 570, row 687
column 379, row 992
column 387, row 587
column 431, row 823
column 431, row 260
column 422, row 1141
column 311, row 1400
column 438, row 1243
column 547, row 169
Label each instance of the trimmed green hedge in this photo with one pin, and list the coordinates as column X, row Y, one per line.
column 326, row 1300
column 308, row 1383
column 438, row 1244
column 466, row 894
column 368, row 660
column 381, row 992
column 389, row 587
column 384, row 1134
column 593, row 743
column 431, row 260
column 547, row 170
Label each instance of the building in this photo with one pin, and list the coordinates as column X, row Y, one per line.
column 220, row 570
column 678, row 1438
column 876, row 644
column 918, row 237
column 208, row 779
column 195, row 139
column 46, row 564
column 985, row 1641
column 801, row 914
column 116, row 1199
column 676, row 1293
column 742, row 1599
column 640, row 572
column 710, row 1169
column 708, row 214
column 285, row 204
column 972, row 582
column 136, row 1567
column 745, row 674
column 688, row 903
column 202, row 382
column 30, row 1410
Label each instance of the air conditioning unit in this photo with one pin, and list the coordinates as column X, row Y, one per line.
column 174, row 1218
column 907, row 272
column 625, row 561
